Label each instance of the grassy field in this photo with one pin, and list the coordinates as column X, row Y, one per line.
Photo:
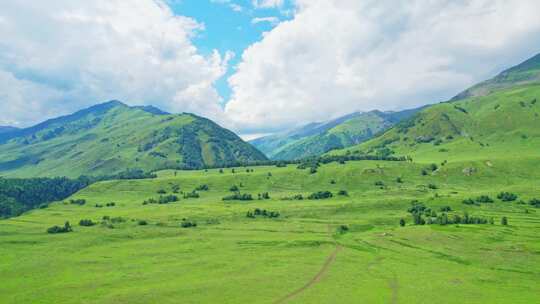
column 299, row 257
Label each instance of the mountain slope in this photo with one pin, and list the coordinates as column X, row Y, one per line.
column 502, row 122
column 318, row 138
column 7, row 129
column 521, row 74
column 111, row 137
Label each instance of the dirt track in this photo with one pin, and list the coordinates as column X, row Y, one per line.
column 329, row 260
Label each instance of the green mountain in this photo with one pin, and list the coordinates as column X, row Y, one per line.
column 318, row 138
column 499, row 118
column 112, row 137
column 524, row 73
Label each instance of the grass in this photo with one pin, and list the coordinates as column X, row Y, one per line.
column 229, row 258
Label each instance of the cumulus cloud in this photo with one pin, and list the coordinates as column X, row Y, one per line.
column 267, row 3
column 335, row 57
column 271, row 20
column 67, row 54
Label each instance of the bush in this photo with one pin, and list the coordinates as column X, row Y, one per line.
column 399, row 180
column 446, row 208
column 535, row 203
column 79, row 202
column 238, row 197
column 262, row 213
column 234, row 188
column 192, row 194
column 188, row 224
column 167, row 199
column 142, row 222
column 507, row 196
column 504, row 221
column 86, row 223
column 297, row 197
column 320, row 195
column 468, row 201
column 343, row 193
column 264, row 195
column 202, row 188
column 432, row 186
column 379, row 184
column 484, row 199
column 402, row 222
column 110, row 204
column 58, row 229
column 161, row 191
column 342, row 229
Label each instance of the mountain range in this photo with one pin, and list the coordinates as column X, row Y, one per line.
column 318, row 138
column 111, row 137
column 496, row 119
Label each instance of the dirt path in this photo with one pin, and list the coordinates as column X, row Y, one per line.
column 329, row 260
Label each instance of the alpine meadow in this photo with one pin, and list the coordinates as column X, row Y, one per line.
column 136, row 201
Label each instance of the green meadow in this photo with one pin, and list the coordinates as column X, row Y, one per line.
column 345, row 249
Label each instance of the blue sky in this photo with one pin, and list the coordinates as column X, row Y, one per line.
column 229, row 26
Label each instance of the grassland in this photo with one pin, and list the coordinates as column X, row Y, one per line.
column 300, row 257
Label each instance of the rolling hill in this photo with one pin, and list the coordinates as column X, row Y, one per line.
column 112, row 137
column 317, row 138
column 496, row 119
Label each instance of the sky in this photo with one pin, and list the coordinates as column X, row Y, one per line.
column 254, row 66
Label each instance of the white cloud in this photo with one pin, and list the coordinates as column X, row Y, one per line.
column 268, row 3
column 271, row 20
column 64, row 55
column 335, row 57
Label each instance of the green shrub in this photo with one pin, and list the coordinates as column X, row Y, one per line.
column 188, row 224
column 142, row 222
column 507, row 196
column 343, row 193
column 202, row 188
column 58, row 229
column 320, row 195
column 86, row 223
column 79, row 202
column 238, row 197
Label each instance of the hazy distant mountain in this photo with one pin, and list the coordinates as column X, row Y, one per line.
column 318, row 138
column 111, row 137
column 7, row 129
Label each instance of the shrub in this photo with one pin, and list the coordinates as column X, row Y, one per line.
column 333, row 182
column 192, row 194
column 238, row 197
column 535, row 203
column 446, row 208
column 161, row 191
column 504, row 221
column 142, row 222
column 424, row 172
column 110, row 204
column 342, row 229
column 399, row 180
column 312, row 170
column 188, row 224
column 402, row 222
column 234, row 188
column 202, row 188
column 468, row 201
column 379, row 184
column 507, row 196
column 484, row 199
column 262, row 213
column 432, row 186
column 264, row 195
column 58, row 229
column 320, row 195
column 167, row 199
column 86, row 223
column 175, row 188
column 79, row 202
column 343, row 193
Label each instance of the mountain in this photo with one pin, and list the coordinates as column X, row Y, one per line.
column 7, row 129
column 318, row 138
column 521, row 74
column 112, row 137
column 496, row 119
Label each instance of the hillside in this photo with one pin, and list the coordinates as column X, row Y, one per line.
column 318, row 138
column 7, row 129
column 345, row 249
column 525, row 73
column 112, row 137
column 493, row 122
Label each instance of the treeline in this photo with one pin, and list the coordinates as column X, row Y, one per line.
column 18, row 195
column 281, row 163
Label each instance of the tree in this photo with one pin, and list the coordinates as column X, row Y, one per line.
column 402, row 222
column 504, row 221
